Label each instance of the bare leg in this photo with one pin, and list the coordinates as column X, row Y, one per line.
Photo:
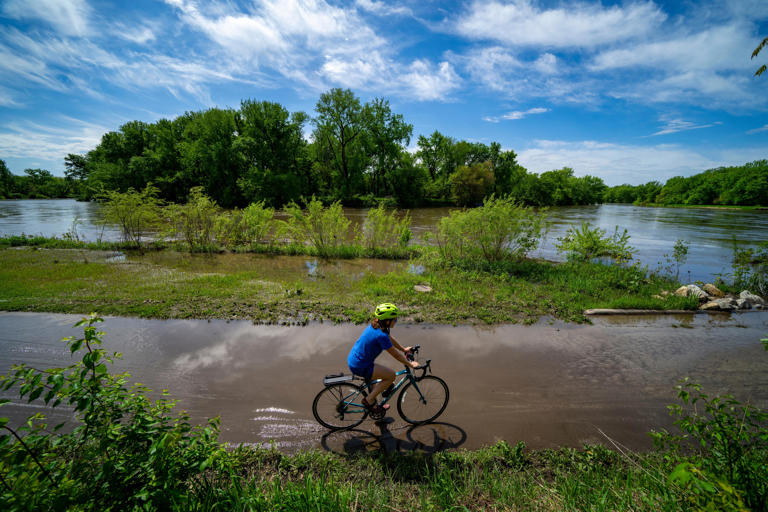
column 387, row 377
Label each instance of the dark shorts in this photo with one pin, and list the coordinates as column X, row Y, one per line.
column 363, row 372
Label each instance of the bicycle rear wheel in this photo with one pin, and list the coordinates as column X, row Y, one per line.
column 339, row 406
column 424, row 400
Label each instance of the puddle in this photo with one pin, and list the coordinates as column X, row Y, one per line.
column 268, row 267
column 549, row 384
column 115, row 257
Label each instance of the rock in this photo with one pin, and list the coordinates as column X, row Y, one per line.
column 664, row 293
column 743, row 304
column 712, row 290
column 710, row 306
column 691, row 290
column 422, row 288
column 658, row 297
column 726, row 304
column 751, row 297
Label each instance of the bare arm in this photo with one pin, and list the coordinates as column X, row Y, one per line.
column 393, row 351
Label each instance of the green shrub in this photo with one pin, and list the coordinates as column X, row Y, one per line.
column 384, row 230
column 257, row 222
column 750, row 269
column 587, row 243
column 195, row 220
column 127, row 452
column 498, row 230
column 325, row 229
column 135, row 212
column 726, row 439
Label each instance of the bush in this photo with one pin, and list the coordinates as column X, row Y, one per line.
column 127, row 451
column 723, row 439
column 384, row 230
column 587, row 243
column 750, row 269
column 325, row 229
column 195, row 220
column 498, row 230
column 135, row 212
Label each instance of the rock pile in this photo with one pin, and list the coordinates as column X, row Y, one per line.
column 713, row 299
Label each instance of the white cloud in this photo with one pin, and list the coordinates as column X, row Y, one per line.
column 679, row 125
column 69, row 17
column 517, row 114
column 138, row 35
column 763, row 128
column 546, row 64
column 383, row 8
column 579, row 25
column 623, row 163
column 718, row 48
column 52, row 142
column 428, row 82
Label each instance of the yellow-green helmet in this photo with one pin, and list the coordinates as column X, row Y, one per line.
column 386, row 311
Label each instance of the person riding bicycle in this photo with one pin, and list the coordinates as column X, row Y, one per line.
column 373, row 341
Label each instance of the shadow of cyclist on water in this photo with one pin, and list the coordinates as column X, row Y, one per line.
column 394, row 438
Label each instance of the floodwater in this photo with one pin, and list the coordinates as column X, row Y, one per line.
column 549, row 385
column 710, row 233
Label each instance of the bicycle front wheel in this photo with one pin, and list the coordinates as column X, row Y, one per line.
column 339, row 406
column 424, row 400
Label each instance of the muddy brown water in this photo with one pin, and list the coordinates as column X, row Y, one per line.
column 549, row 384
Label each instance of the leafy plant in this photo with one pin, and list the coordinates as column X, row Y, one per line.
column 125, row 452
column 587, row 243
column 324, row 228
column 257, row 222
column 383, row 229
column 195, row 220
column 750, row 268
column 135, row 212
column 498, row 230
column 725, row 438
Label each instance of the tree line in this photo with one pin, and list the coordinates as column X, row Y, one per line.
column 745, row 185
column 350, row 151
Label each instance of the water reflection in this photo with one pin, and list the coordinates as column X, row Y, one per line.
column 710, row 233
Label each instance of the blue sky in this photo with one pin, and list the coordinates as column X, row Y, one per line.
column 627, row 91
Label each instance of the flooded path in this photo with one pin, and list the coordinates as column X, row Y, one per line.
column 549, row 384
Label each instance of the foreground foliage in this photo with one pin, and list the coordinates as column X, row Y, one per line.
column 124, row 451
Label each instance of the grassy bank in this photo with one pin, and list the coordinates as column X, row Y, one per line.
column 499, row 477
column 167, row 284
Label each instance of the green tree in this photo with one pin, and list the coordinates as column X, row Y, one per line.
column 6, row 180
column 471, row 183
column 387, row 134
column 208, row 156
column 339, row 131
column 273, row 153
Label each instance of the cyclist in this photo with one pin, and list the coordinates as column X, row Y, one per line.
column 374, row 340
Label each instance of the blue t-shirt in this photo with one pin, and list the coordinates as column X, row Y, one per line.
column 368, row 347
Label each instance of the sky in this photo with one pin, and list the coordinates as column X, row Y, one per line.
column 630, row 92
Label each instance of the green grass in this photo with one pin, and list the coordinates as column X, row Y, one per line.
column 498, row 477
column 222, row 286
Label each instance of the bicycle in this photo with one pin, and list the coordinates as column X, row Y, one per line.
column 422, row 398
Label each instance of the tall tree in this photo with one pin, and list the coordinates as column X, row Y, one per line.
column 339, row 129
column 387, row 135
column 273, row 153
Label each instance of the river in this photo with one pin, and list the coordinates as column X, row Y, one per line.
column 710, row 233
column 549, row 384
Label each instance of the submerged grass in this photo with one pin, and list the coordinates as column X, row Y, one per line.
column 253, row 287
